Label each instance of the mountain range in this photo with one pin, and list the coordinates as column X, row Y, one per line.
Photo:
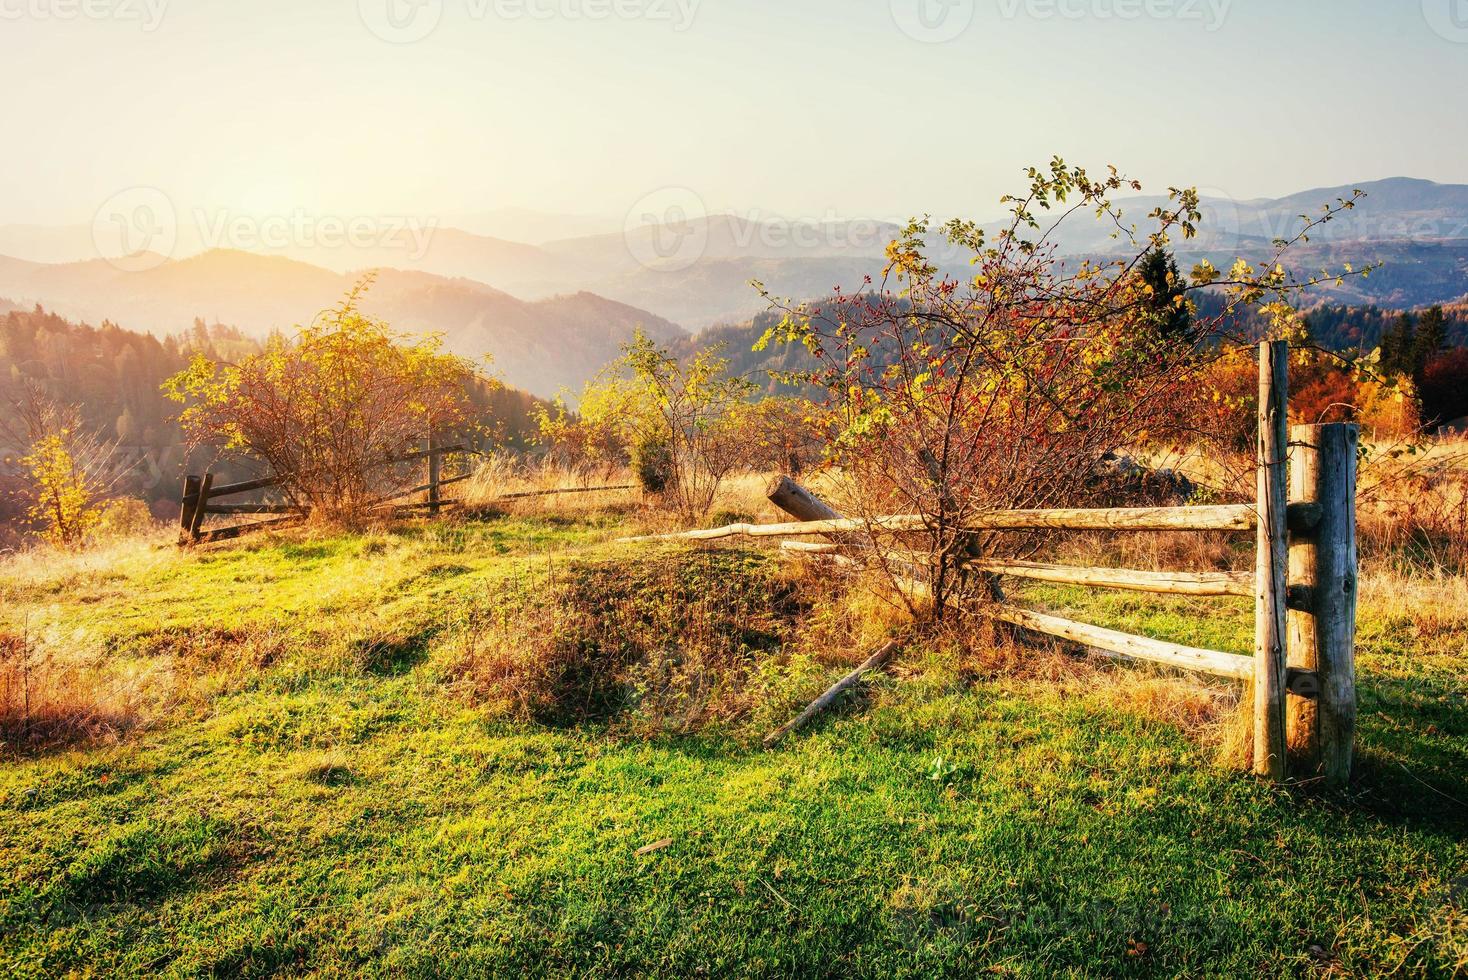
column 553, row 311
column 540, row 346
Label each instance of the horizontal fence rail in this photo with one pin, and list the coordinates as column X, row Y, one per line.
column 1218, row 517
column 200, row 491
column 1124, row 579
column 1126, row 645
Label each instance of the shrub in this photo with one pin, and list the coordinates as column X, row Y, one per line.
column 124, row 518
column 67, row 473
column 680, row 416
column 1007, row 385
column 652, row 464
column 327, row 409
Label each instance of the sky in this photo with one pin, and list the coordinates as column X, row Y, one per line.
column 801, row 108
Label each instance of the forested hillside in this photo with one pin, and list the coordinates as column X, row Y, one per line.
column 114, row 377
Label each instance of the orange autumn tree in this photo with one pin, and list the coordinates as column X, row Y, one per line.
column 328, row 408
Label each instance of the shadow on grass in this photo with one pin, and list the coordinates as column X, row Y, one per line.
column 140, row 864
column 392, row 656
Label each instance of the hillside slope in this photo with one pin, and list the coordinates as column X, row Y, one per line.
column 327, row 797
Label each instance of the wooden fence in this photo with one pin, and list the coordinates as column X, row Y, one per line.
column 200, row 491
column 1302, row 669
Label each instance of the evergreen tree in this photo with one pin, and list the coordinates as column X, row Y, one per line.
column 1397, row 343
column 1432, row 337
column 1173, row 320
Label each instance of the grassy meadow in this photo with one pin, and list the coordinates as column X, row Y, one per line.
column 510, row 745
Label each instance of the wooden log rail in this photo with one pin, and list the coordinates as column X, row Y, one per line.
column 1126, row 646
column 1222, row 517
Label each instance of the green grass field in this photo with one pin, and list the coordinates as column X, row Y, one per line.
column 313, row 794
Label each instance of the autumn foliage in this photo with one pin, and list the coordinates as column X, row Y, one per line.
column 327, row 409
column 1008, row 386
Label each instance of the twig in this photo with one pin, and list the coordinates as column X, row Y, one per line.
column 874, row 662
column 782, row 898
column 1439, row 792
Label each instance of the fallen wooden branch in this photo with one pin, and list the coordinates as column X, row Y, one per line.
column 876, row 661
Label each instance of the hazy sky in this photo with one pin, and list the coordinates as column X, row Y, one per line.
column 849, row 108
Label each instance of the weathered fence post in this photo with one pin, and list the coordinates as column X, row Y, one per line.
column 187, row 506
column 196, row 520
column 435, row 472
column 1322, row 620
column 1271, row 562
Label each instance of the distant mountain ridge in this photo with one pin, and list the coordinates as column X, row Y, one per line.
column 553, row 313
column 539, row 346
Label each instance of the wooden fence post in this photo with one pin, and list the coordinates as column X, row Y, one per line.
column 1271, row 562
column 1322, row 621
column 187, row 506
column 435, row 473
column 196, row 520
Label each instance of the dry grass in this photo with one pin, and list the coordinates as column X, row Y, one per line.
column 675, row 642
column 49, row 701
column 1414, row 508
column 499, row 476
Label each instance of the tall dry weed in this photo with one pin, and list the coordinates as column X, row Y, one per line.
column 46, row 702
